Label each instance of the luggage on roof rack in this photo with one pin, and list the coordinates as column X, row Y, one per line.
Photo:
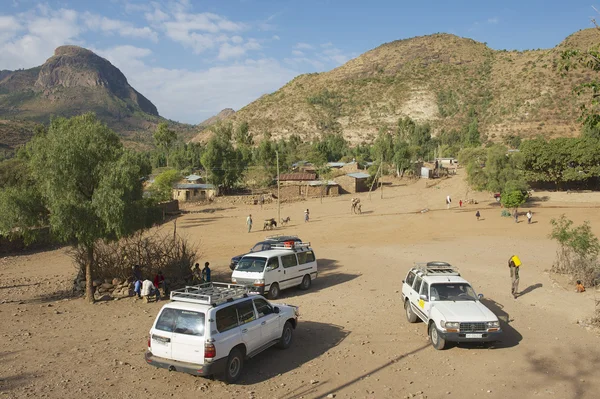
column 210, row 293
column 437, row 269
column 280, row 235
column 295, row 246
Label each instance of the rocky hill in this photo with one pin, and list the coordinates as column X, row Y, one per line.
column 442, row 79
column 224, row 114
column 73, row 81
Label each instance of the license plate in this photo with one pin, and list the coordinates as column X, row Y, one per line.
column 474, row 335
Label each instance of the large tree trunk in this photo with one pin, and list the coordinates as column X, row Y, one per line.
column 89, row 280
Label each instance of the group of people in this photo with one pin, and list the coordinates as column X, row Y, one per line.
column 145, row 288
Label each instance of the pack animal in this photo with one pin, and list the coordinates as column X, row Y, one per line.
column 269, row 224
column 354, row 205
column 285, row 221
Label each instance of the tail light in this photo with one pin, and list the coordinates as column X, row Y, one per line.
column 209, row 351
column 149, row 341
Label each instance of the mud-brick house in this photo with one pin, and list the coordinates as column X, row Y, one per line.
column 319, row 188
column 353, row 182
column 188, row 192
column 293, row 185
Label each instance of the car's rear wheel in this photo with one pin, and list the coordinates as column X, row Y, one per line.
column 287, row 336
column 274, row 291
column 235, row 365
column 436, row 339
column 410, row 315
column 305, row 283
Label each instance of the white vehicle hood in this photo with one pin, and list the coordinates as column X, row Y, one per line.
column 464, row 311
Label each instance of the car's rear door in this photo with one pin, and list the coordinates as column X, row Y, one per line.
column 161, row 337
column 291, row 270
column 188, row 337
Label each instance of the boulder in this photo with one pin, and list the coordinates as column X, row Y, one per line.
column 116, row 281
column 108, row 281
column 96, row 283
column 107, row 286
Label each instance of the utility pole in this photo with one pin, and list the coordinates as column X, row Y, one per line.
column 278, row 192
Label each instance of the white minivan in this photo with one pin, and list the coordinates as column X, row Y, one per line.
column 285, row 265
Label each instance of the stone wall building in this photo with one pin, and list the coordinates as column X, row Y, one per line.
column 353, row 182
column 194, row 192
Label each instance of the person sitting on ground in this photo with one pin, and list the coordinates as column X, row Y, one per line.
column 206, row 273
column 579, row 287
column 137, row 280
column 149, row 290
column 159, row 282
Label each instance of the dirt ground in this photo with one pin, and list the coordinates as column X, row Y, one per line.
column 353, row 340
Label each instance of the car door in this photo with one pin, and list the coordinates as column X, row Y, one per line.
column 273, row 272
column 249, row 325
column 227, row 334
column 425, row 304
column 269, row 320
column 414, row 297
column 407, row 284
column 188, row 337
column 291, row 271
column 161, row 339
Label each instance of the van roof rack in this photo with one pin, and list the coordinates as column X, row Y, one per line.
column 210, row 293
column 294, row 246
column 437, row 269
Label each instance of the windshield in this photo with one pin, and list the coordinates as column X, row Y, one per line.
column 452, row 292
column 251, row 264
column 259, row 247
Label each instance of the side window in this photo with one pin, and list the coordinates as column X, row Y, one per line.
column 310, row 256
column 289, row 260
column 273, row 263
column 417, row 283
column 301, row 257
column 425, row 290
column 227, row 318
column 245, row 312
column 410, row 279
column 263, row 308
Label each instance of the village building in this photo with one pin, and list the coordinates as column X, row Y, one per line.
column 194, row 179
column 353, row 182
column 293, row 179
column 188, row 192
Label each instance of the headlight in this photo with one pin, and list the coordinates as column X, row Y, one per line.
column 233, row 280
column 259, row 283
column 492, row 324
column 450, row 324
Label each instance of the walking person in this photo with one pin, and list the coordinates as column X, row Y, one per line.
column 249, row 223
column 514, row 264
column 529, row 216
column 460, row 204
column 448, row 201
column 516, row 216
column 306, row 215
column 477, row 215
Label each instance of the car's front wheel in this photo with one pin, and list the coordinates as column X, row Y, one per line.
column 274, row 291
column 436, row 339
column 410, row 315
column 287, row 336
column 235, row 364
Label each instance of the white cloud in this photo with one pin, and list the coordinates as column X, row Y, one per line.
column 275, row 37
column 193, row 95
column 237, row 39
column 227, row 51
column 493, row 20
column 335, row 54
column 298, row 53
column 300, row 62
column 107, row 25
column 326, row 45
column 303, row 46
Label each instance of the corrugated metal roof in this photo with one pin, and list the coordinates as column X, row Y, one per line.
column 193, row 177
column 336, row 164
column 297, row 176
column 321, row 183
column 358, row 175
column 194, row 186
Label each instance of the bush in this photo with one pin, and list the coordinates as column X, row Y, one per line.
column 577, row 255
column 153, row 252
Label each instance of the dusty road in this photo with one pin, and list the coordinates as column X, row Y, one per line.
column 353, row 340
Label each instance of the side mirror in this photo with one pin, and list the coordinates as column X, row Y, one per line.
column 423, row 297
column 275, row 309
column 480, row 296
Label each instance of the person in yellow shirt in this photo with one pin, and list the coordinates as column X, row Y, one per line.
column 579, row 287
column 513, row 264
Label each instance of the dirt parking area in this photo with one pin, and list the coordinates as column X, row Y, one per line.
column 353, row 340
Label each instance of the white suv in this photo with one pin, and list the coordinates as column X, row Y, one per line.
column 436, row 293
column 210, row 329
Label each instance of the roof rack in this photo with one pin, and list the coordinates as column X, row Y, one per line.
column 437, row 269
column 280, row 235
column 291, row 245
column 210, row 293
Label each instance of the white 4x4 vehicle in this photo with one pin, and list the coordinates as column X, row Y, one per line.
column 436, row 293
column 210, row 329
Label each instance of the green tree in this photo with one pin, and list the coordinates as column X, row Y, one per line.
column 89, row 184
column 513, row 199
column 164, row 138
column 162, row 188
column 224, row 163
column 471, row 135
column 383, row 147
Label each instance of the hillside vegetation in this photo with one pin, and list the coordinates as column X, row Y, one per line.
column 441, row 79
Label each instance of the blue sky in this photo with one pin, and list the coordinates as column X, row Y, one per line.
column 192, row 58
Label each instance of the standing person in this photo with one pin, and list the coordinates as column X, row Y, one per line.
column 460, row 203
column 197, row 274
column 137, row 280
column 478, row 215
column 306, row 215
column 516, row 215
column 261, row 200
column 514, row 264
column 206, row 273
column 249, row 222
column 448, row 201
column 529, row 216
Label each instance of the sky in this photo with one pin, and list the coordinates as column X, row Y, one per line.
column 193, row 58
